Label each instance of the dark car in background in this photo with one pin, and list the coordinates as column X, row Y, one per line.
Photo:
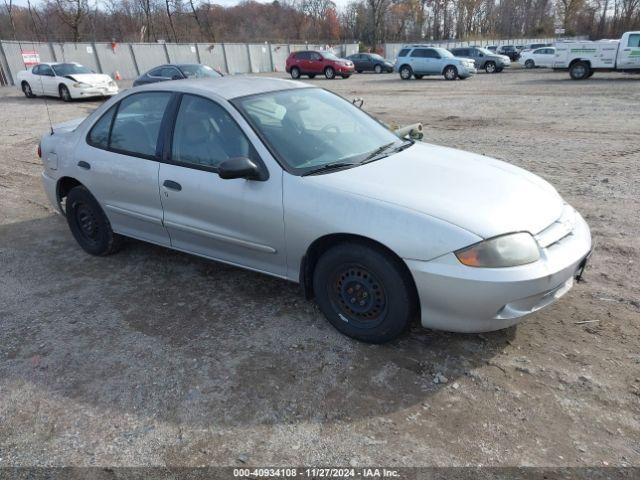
column 178, row 71
column 312, row 63
column 370, row 62
column 510, row 51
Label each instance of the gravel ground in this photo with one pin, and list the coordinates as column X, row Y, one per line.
column 152, row 357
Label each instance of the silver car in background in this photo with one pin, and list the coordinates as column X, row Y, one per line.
column 293, row 181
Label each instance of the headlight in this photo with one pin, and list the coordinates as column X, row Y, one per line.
column 81, row 85
column 508, row 250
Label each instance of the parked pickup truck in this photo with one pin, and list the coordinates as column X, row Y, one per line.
column 584, row 58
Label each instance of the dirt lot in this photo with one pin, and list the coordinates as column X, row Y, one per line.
column 155, row 357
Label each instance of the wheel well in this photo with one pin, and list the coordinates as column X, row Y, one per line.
column 405, row 65
column 64, row 186
column 323, row 244
column 24, row 82
column 62, row 85
column 447, row 66
column 576, row 60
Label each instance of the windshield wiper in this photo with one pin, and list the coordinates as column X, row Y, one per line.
column 377, row 154
column 327, row 167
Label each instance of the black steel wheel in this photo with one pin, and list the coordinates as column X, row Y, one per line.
column 364, row 291
column 88, row 223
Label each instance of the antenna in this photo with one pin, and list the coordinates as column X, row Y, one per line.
column 9, row 6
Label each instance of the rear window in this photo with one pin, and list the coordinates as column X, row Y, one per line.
column 404, row 52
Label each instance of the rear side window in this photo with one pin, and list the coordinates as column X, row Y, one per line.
column 303, row 55
column 99, row 134
column 404, row 52
column 419, row 52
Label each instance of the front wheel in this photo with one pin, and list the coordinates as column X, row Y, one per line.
column 580, row 71
column 418, row 77
column 312, row 75
column 345, row 76
column 450, row 73
column 88, row 223
column 529, row 64
column 364, row 292
column 26, row 89
column 490, row 67
column 329, row 73
column 406, row 72
column 64, row 93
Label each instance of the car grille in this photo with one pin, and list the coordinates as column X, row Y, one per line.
column 559, row 229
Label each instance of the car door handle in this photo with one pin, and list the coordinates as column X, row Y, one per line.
column 170, row 184
column 85, row 165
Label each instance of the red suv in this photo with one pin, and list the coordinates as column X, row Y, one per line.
column 318, row 63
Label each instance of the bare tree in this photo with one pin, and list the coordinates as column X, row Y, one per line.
column 73, row 14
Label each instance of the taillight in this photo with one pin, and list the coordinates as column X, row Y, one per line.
column 39, row 151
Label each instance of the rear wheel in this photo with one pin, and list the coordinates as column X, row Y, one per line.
column 579, row 70
column 529, row 64
column 345, row 76
column 295, row 73
column 88, row 223
column 450, row 73
column 406, row 72
column 64, row 93
column 377, row 68
column 329, row 73
column 490, row 67
column 364, row 292
column 312, row 75
column 359, row 71
column 26, row 89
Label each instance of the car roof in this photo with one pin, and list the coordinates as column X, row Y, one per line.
column 227, row 87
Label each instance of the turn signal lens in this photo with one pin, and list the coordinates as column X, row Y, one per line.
column 508, row 250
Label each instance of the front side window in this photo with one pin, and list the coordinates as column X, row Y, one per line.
column 205, row 134
column 328, row 56
column 169, row 72
column 199, row 71
column 309, row 127
column 137, row 123
column 303, row 55
column 634, row 40
column 46, row 70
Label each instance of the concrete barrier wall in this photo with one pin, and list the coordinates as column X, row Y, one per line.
column 133, row 59
column 260, row 56
column 119, row 60
column 76, row 52
column 237, row 58
column 279, row 54
column 182, row 53
column 149, row 55
column 213, row 54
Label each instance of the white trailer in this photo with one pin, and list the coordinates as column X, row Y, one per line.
column 584, row 58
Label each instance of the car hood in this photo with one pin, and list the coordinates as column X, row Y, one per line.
column 480, row 194
column 90, row 78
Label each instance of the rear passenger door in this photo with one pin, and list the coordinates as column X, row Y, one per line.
column 418, row 61
column 118, row 162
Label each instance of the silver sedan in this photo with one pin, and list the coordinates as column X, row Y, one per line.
column 293, row 181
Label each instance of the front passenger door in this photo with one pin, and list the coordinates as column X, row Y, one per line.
column 237, row 221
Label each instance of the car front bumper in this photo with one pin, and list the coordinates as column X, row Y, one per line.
column 457, row 298
column 342, row 70
column 93, row 92
column 465, row 71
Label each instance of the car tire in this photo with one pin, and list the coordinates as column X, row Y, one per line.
column 364, row 292
column 295, row 73
column 499, row 70
column 65, row 96
column 529, row 64
column 26, row 89
column 418, row 77
column 89, row 224
column 345, row 76
column 490, row 67
column 450, row 73
column 359, row 71
column 378, row 69
column 579, row 71
column 312, row 75
column 406, row 72
column 329, row 73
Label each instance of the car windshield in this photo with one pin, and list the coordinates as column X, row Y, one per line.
column 485, row 51
column 64, row 69
column 329, row 56
column 199, row 71
column 310, row 128
column 376, row 56
column 444, row 53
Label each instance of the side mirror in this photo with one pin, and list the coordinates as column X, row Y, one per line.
column 176, row 77
column 481, row 54
column 240, row 167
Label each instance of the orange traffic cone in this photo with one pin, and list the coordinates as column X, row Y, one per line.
column 117, row 76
